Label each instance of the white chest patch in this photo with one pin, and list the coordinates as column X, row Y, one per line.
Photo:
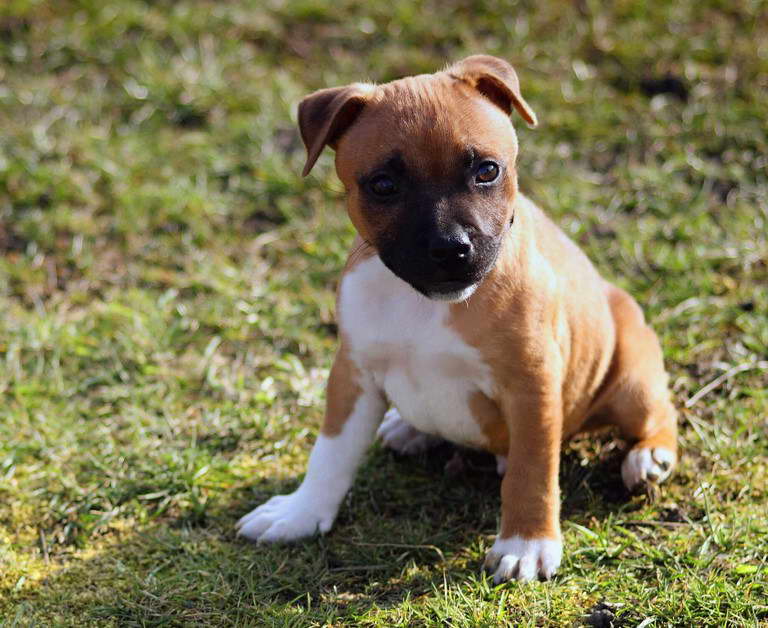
column 402, row 340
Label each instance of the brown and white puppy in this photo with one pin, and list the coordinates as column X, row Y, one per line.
column 468, row 312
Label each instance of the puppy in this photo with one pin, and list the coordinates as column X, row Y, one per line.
column 468, row 312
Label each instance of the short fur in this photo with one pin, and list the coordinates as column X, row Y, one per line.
column 534, row 347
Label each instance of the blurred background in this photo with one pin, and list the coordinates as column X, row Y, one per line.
column 167, row 293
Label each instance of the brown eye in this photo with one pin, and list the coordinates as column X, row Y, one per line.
column 382, row 185
column 488, row 172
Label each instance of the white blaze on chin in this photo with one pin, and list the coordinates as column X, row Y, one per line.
column 455, row 296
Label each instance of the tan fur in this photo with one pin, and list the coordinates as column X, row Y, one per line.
column 341, row 394
column 487, row 414
column 343, row 388
column 567, row 350
column 431, row 138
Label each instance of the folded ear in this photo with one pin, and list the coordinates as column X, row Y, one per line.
column 326, row 114
column 495, row 79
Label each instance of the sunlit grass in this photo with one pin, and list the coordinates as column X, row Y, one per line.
column 166, row 311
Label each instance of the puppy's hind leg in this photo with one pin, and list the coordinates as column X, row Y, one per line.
column 638, row 400
column 400, row 436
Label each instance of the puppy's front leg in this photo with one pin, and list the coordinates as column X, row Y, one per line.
column 529, row 542
column 354, row 408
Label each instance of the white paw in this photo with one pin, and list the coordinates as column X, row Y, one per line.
column 501, row 465
column 285, row 518
column 517, row 558
column 646, row 465
column 402, row 437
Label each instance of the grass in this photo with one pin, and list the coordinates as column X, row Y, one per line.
column 166, row 311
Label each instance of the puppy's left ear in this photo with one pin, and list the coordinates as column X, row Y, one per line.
column 325, row 115
column 495, row 79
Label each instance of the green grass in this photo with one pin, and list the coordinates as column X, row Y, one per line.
column 166, row 310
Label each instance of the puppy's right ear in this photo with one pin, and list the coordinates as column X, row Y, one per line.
column 326, row 114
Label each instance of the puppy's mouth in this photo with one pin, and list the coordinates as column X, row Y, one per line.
column 440, row 280
column 452, row 288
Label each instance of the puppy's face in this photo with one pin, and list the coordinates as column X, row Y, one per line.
column 429, row 167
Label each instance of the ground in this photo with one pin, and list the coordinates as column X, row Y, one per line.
column 166, row 311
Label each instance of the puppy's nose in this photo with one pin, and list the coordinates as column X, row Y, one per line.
column 453, row 250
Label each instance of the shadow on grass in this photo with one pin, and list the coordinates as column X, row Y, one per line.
column 408, row 526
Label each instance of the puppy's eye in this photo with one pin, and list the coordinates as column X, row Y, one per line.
column 488, row 172
column 382, row 185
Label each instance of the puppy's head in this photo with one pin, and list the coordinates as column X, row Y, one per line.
column 429, row 166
